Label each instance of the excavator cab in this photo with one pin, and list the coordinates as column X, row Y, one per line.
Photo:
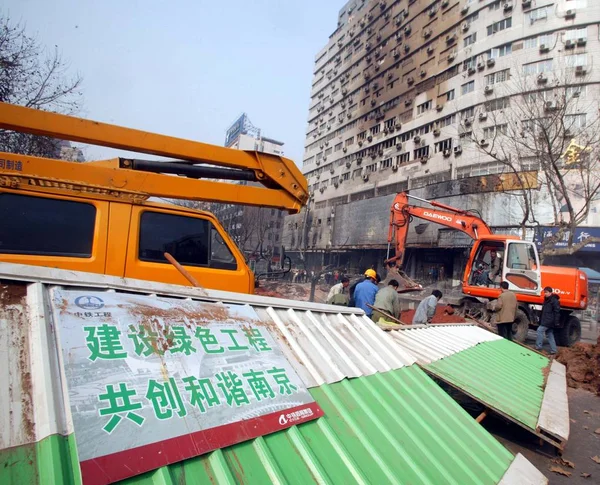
column 513, row 261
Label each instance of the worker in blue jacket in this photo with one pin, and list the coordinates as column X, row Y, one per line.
column 365, row 292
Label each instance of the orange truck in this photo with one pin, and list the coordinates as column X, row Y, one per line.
column 97, row 217
column 504, row 257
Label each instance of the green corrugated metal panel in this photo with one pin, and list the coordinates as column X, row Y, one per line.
column 503, row 375
column 393, row 427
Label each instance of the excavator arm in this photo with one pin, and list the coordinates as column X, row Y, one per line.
column 402, row 213
column 280, row 184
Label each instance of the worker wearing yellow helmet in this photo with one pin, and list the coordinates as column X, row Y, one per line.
column 365, row 291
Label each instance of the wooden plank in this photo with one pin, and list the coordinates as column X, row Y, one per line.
column 554, row 414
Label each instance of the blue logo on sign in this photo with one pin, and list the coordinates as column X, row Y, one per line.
column 89, row 302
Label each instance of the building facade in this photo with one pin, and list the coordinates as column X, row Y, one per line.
column 405, row 96
column 257, row 231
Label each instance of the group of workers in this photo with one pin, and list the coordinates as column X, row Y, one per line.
column 378, row 303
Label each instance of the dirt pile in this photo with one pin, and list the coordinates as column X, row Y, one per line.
column 291, row 291
column 583, row 365
column 443, row 314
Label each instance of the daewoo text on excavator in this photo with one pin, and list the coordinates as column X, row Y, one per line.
column 97, row 217
column 514, row 260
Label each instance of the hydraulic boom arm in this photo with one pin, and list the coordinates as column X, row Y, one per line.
column 402, row 214
column 282, row 185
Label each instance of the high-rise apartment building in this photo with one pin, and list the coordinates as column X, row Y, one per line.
column 257, row 231
column 407, row 95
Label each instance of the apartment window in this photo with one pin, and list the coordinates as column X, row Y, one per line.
column 349, row 141
column 467, row 88
column 576, row 60
column 443, row 145
column 426, row 106
column 450, row 95
column 577, row 4
column 497, row 77
column 375, row 129
column 371, row 168
column 491, row 131
column 576, row 91
column 357, row 173
column 501, row 51
column 328, row 152
column 575, row 34
column 346, row 176
column 470, row 39
column 496, row 104
column 537, row 67
column 499, row 26
column 422, row 152
column 575, row 122
column 538, row 14
column 465, row 138
column 472, row 18
column 448, row 120
column 389, row 124
column 468, row 63
column 530, row 43
column 404, row 158
column 467, row 113
column 387, row 163
column 338, row 147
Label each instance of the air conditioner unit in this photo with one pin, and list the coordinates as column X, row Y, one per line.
column 407, row 30
column 483, row 143
column 450, row 38
column 410, row 80
column 457, row 150
column 336, row 185
column 423, row 160
column 373, row 102
column 526, row 3
column 464, row 10
column 544, row 48
column 345, row 149
column 398, row 146
column 378, row 36
column 395, row 167
column 439, row 107
column 542, row 79
column 322, row 189
column 406, row 48
column 318, row 176
column 550, row 106
column 423, row 73
column 358, row 160
column 407, row 102
column 369, row 138
column 576, row 94
column 399, row 20
column 390, row 75
column 360, row 143
column 331, row 170
column 580, row 70
column 395, row 53
column 447, row 153
column 365, row 177
column 482, row 116
column 324, row 159
column 451, row 56
column 480, row 65
column 491, row 62
column 488, row 89
column 436, row 132
column 427, row 33
column 468, row 121
column 432, row 11
column 471, row 71
column 349, row 115
column 417, row 139
column 569, row 44
column 570, row 14
column 465, row 26
column 380, row 152
column 507, row 7
column 326, row 143
column 445, row 3
column 430, row 50
column 348, row 164
column 581, row 41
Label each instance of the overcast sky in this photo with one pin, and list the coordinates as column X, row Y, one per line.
column 188, row 68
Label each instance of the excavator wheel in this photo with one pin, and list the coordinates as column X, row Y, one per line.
column 570, row 333
column 521, row 326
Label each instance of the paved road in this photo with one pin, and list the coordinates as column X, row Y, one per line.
column 584, row 408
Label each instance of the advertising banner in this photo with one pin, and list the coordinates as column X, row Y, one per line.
column 152, row 381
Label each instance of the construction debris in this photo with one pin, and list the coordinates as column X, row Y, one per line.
column 443, row 314
column 560, row 471
column 583, row 365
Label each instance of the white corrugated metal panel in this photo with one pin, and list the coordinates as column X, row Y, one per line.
column 434, row 342
column 554, row 415
column 522, row 472
column 324, row 343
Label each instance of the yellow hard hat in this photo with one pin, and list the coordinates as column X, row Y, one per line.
column 370, row 273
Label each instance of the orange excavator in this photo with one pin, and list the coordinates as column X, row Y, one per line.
column 495, row 258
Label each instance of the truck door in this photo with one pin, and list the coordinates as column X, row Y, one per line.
column 522, row 267
column 194, row 240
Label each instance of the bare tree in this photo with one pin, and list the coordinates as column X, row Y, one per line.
column 32, row 77
column 545, row 132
